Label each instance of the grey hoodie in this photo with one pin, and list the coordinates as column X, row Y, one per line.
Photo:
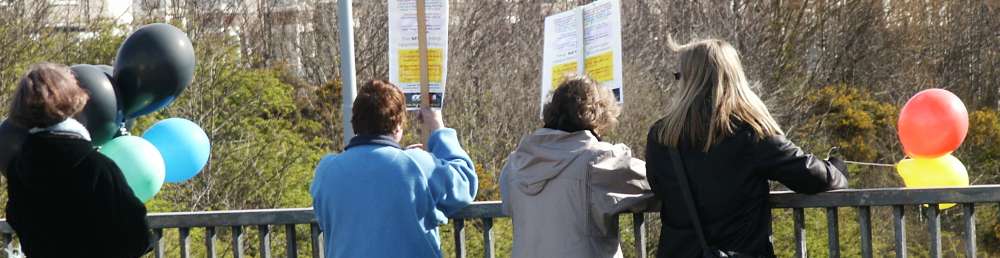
column 564, row 190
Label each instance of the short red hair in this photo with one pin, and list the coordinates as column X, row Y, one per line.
column 379, row 109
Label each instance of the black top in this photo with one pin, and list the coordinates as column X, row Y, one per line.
column 68, row 200
column 729, row 184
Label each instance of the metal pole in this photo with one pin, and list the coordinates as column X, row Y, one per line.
column 345, row 20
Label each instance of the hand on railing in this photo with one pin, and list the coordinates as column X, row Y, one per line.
column 840, row 165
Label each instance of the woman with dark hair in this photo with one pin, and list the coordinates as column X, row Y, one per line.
column 720, row 136
column 65, row 198
column 563, row 186
column 377, row 199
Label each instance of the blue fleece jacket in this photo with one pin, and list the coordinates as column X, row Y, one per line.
column 377, row 200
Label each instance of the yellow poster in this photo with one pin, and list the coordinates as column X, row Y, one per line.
column 583, row 41
column 600, row 67
column 560, row 71
column 409, row 65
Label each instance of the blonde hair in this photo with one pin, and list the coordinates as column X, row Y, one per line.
column 581, row 104
column 713, row 98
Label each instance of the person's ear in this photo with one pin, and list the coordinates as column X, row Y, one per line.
column 398, row 133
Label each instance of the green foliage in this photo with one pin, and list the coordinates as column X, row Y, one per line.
column 851, row 119
column 258, row 139
column 981, row 155
column 862, row 127
column 98, row 47
column 980, row 152
column 264, row 144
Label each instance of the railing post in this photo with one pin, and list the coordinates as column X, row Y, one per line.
column 865, row 226
column 292, row 248
column 185, row 241
column 798, row 215
column 237, row 241
column 934, row 228
column 833, row 232
column 488, row 238
column 210, row 242
column 158, row 247
column 899, row 220
column 459, row 238
column 264, row 232
column 316, row 239
column 639, row 233
column 969, row 213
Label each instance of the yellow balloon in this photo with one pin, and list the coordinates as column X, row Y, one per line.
column 944, row 171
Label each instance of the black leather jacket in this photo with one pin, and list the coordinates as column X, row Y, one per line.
column 730, row 189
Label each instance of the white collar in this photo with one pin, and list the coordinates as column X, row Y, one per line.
column 68, row 126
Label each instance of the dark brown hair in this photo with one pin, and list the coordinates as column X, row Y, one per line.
column 379, row 109
column 581, row 104
column 46, row 95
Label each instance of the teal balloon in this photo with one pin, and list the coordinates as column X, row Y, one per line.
column 184, row 146
column 140, row 162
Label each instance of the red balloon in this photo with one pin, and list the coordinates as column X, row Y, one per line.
column 932, row 124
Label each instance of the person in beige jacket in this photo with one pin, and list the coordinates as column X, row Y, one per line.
column 563, row 186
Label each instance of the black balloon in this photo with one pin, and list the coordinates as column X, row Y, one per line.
column 11, row 138
column 153, row 66
column 100, row 115
column 108, row 70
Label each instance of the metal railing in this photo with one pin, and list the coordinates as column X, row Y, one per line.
column 860, row 199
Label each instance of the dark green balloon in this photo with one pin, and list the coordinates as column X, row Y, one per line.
column 11, row 138
column 154, row 65
column 100, row 115
column 108, row 70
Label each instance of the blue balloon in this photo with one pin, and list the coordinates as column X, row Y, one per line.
column 184, row 146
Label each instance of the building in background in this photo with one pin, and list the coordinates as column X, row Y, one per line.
column 74, row 15
column 243, row 20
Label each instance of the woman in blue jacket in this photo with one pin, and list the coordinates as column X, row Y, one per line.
column 379, row 200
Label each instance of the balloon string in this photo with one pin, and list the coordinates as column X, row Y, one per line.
column 869, row 164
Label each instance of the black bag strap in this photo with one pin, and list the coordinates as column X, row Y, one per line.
column 688, row 199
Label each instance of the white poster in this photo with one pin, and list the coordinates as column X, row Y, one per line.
column 585, row 40
column 404, row 54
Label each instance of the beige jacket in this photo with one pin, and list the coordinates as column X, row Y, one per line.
column 563, row 191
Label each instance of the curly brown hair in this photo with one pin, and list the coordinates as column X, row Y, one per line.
column 379, row 109
column 581, row 104
column 47, row 95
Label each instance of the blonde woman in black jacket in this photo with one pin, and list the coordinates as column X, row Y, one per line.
column 729, row 147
